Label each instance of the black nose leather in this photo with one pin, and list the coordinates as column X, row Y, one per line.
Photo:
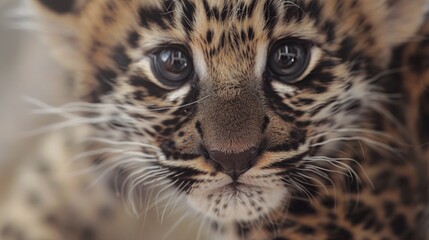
column 234, row 164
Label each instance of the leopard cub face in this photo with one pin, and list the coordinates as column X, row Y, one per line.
column 229, row 103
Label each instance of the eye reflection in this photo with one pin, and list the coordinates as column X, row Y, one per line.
column 288, row 60
column 172, row 66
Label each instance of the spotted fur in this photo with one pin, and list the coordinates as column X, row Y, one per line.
column 334, row 154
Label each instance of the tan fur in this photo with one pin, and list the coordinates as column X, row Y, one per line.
column 319, row 136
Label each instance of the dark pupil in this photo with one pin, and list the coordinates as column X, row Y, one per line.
column 286, row 56
column 174, row 61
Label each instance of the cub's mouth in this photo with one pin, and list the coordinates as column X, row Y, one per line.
column 239, row 189
column 246, row 199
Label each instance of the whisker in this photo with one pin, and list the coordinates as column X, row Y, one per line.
column 176, row 224
column 363, row 139
column 96, row 152
column 316, row 180
column 75, row 122
column 121, row 143
column 174, row 194
column 43, row 105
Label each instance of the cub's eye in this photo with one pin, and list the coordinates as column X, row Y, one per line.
column 172, row 66
column 288, row 60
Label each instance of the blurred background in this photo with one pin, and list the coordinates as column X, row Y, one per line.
column 25, row 67
column 28, row 70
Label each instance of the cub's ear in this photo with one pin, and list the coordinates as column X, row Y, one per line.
column 61, row 6
column 402, row 20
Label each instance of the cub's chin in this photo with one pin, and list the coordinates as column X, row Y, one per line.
column 228, row 201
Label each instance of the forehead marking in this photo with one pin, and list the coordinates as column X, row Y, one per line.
column 270, row 16
column 162, row 17
column 188, row 17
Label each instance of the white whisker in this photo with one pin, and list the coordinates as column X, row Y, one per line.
column 119, row 143
column 75, row 122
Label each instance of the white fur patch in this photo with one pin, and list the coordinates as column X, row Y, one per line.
column 283, row 89
column 179, row 93
column 200, row 64
column 248, row 201
column 261, row 59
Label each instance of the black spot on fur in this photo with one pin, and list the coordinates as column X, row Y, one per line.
column 138, row 95
column 243, row 36
column 265, row 123
column 293, row 12
column 346, row 47
column 207, row 9
column 251, row 8
column 222, row 41
column 306, row 230
column 423, row 119
column 305, row 101
column 353, row 105
column 389, row 209
column 61, row 7
column 133, row 39
column 405, row 187
column 241, row 11
column 183, row 181
column 156, row 16
column 313, row 9
column 301, row 207
column 151, row 88
column 322, row 106
column 209, row 36
column 188, row 17
column 328, row 202
column 292, row 144
column 243, row 229
column 170, row 122
column 270, row 16
column 199, row 128
column 382, row 182
column 106, row 79
column 225, row 12
column 352, row 184
column 121, row 58
column 329, row 29
column 250, row 33
column 336, row 232
column 359, row 213
column 211, row 13
column 399, row 225
column 169, row 10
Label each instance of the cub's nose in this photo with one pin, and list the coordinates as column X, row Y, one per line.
column 234, row 164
